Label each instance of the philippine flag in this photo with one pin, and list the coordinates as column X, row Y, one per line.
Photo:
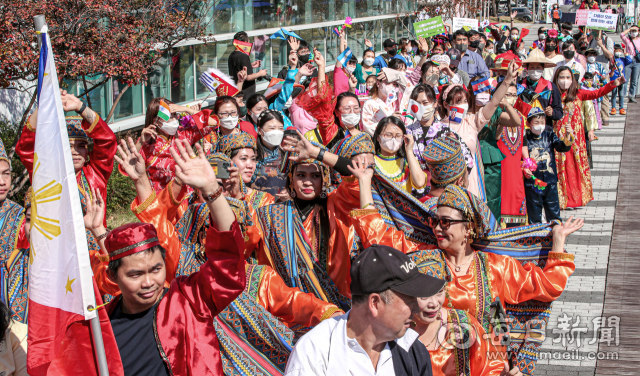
column 61, row 290
column 457, row 114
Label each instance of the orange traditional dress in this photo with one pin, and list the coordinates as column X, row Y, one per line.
column 575, row 188
column 490, row 276
column 464, row 348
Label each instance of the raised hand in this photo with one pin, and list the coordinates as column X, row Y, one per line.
column 307, row 69
column 256, row 64
column 368, row 43
column 360, row 170
column 353, row 82
column 572, row 225
column 299, row 147
column 149, row 133
column 318, row 58
column 423, row 44
column 512, row 70
column 191, row 168
column 95, row 211
column 514, row 14
column 293, row 59
column 69, row 101
column 242, row 75
column 408, row 143
column 131, row 160
column 294, row 44
column 176, row 108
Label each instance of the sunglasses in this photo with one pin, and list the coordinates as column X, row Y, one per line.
column 444, row 223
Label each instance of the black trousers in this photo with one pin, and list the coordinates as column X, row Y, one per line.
column 547, row 199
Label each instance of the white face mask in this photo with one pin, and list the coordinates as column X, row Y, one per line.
column 535, row 74
column 229, row 122
column 170, row 127
column 537, row 129
column 542, row 36
column 489, row 51
column 564, row 84
column 515, row 36
column 633, row 34
column 619, row 54
column 350, row 120
column 522, row 53
column 369, row 61
column 273, row 138
column 429, row 110
column 351, row 70
column 389, row 93
column 591, row 59
column 390, row 145
column 482, row 99
column 369, row 87
column 255, row 118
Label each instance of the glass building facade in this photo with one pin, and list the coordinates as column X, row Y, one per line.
column 175, row 76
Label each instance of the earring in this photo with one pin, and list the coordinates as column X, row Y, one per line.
column 293, row 194
column 323, row 194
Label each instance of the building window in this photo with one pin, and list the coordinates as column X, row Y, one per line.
column 130, row 103
column 182, row 80
column 205, row 59
column 158, row 82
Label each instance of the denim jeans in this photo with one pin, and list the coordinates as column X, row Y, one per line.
column 618, row 95
column 632, row 72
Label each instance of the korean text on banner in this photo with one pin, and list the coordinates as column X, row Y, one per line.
column 428, row 28
column 602, row 21
column 581, row 16
column 459, row 23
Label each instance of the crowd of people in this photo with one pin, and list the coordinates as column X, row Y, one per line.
column 393, row 216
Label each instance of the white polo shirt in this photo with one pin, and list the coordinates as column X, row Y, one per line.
column 327, row 350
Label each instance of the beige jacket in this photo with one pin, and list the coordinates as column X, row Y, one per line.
column 13, row 350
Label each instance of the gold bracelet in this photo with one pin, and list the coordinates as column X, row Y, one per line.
column 142, row 207
column 367, row 204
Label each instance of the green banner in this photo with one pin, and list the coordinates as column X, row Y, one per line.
column 428, row 28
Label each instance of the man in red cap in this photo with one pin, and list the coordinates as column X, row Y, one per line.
column 169, row 331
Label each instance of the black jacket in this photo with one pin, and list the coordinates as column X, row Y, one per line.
column 415, row 362
column 543, row 148
column 555, row 100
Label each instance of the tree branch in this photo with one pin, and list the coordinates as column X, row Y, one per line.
column 115, row 103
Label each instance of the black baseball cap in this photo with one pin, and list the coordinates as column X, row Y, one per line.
column 455, row 55
column 389, row 43
column 380, row 267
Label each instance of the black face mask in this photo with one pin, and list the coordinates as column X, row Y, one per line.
column 550, row 47
column 568, row 54
column 393, row 52
column 304, row 58
column 474, row 44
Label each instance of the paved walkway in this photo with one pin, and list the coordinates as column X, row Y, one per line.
column 573, row 314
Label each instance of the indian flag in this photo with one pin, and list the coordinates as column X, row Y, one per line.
column 164, row 112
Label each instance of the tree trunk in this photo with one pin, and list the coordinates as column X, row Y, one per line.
column 509, row 8
column 495, row 7
column 115, row 103
column 84, row 82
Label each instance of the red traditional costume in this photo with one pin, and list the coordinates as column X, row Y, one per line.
column 96, row 172
column 160, row 165
column 185, row 336
column 575, row 188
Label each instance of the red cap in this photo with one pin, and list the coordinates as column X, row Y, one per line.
column 129, row 239
column 503, row 60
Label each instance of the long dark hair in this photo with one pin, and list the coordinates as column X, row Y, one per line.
column 381, row 125
column 341, row 96
column 5, row 317
column 252, row 102
column 265, row 116
column 572, row 92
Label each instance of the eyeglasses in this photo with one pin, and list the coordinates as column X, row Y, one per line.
column 227, row 114
column 444, row 223
column 396, row 136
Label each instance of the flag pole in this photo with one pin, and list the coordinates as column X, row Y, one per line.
column 96, row 330
column 39, row 22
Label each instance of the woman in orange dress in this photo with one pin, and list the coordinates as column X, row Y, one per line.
column 457, row 343
column 475, row 278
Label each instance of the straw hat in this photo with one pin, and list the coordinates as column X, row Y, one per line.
column 537, row 56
